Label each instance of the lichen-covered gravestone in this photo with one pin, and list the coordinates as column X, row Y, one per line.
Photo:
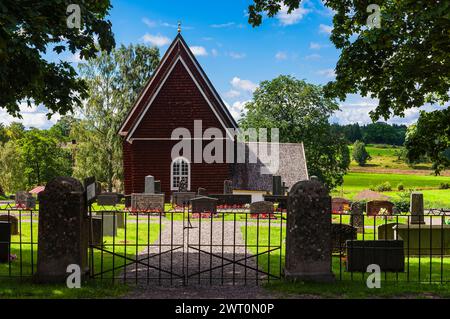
column 357, row 215
column 308, row 234
column 63, row 230
column 416, row 208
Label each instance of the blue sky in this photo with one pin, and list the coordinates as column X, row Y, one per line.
column 235, row 55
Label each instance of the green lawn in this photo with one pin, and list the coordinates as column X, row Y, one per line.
column 415, row 278
column 428, row 184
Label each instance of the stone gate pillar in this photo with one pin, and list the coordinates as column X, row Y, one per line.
column 308, row 233
column 63, row 230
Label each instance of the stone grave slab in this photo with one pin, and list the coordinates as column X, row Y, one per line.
column 425, row 240
column 14, row 222
column 182, row 198
column 262, row 210
column 204, row 207
column 147, row 203
column 374, row 207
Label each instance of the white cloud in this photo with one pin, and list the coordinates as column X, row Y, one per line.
column 236, row 55
column 223, row 25
column 149, row 23
column 313, row 57
column 214, row 52
column 316, row 46
column 244, row 85
column 199, row 51
column 232, row 94
column 291, row 18
column 236, row 108
column 158, row 40
column 281, row 56
column 328, row 73
column 75, row 58
column 323, row 28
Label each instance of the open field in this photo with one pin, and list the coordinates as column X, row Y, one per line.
column 429, row 185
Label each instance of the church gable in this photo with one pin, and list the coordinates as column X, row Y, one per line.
column 178, row 94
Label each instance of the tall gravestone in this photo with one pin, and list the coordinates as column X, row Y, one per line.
column 5, row 241
column 63, row 230
column 149, row 184
column 308, row 233
column 416, row 208
column 357, row 215
column 228, row 187
column 157, row 187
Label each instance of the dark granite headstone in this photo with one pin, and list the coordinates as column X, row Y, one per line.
column 157, row 187
column 13, row 220
column 202, row 192
column 388, row 254
column 308, row 233
column 262, row 210
column 63, row 230
column 182, row 198
column 203, row 204
column 280, row 199
column 227, row 187
column 108, row 199
column 340, row 233
column 97, row 231
column 277, row 186
column 374, row 207
column 416, row 208
column 5, row 241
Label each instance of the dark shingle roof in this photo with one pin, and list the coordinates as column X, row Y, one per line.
column 292, row 168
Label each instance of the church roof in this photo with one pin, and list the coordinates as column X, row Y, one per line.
column 177, row 52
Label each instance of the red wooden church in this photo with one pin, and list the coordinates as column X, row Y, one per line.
column 178, row 93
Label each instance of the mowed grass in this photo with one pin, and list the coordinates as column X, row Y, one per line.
column 415, row 279
column 16, row 276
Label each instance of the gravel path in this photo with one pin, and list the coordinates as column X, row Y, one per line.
column 173, row 262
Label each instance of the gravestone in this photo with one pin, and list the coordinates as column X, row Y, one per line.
column 308, row 233
column 127, row 201
column 5, row 241
column 262, row 209
column 97, row 231
column 340, row 233
column 14, row 222
column 63, row 230
column 109, row 224
column 202, row 192
column 386, row 231
column 227, row 187
column 340, row 205
column 203, row 206
column 150, row 203
column 357, row 215
column 424, row 240
column 277, row 186
column 157, row 187
column 374, row 207
column 119, row 216
column 183, row 185
column 25, row 200
column 388, row 254
column 182, row 198
column 149, row 185
column 416, row 208
column 108, row 199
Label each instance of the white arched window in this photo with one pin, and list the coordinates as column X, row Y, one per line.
column 180, row 168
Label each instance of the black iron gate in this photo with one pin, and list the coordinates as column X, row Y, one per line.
column 180, row 248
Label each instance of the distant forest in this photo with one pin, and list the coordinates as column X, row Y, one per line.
column 375, row 133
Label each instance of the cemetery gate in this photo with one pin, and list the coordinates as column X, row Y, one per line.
column 177, row 247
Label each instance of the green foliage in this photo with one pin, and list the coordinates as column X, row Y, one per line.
column 400, row 187
column 114, row 81
column 444, row 186
column 404, row 64
column 377, row 133
column 61, row 130
column 301, row 112
column 12, row 177
column 15, row 131
column 359, row 153
column 28, row 30
column 430, row 137
column 383, row 187
column 43, row 158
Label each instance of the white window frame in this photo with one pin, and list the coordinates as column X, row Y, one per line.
column 172, row 186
